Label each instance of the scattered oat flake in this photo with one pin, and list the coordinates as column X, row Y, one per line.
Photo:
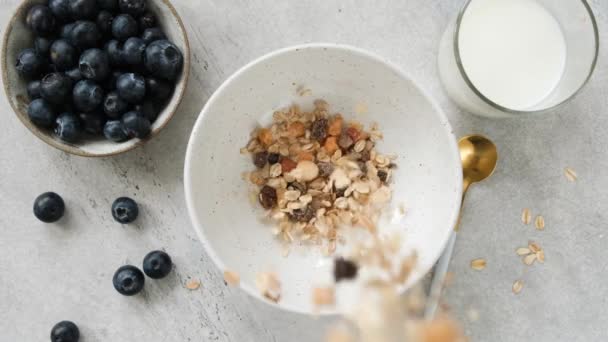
column 526, row 216
column 534, row 247
column 540, row 255
column 478, row 264
column 539, row 223
column 570, row 174
column 323, row 296
column 269, row 285
column 232, row 278
column 529, row 259
column 517, row 286
column 193, row 284
column 523, row 251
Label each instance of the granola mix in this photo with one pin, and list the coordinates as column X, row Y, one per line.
column 316, row 172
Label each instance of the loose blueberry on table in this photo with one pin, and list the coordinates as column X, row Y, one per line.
column 124, row 210
column 97, row 68
column 65, row 331
column 157, row 264
column 49, row 207
column 128, row 280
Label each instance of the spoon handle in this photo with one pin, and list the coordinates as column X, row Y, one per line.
column 441, row 270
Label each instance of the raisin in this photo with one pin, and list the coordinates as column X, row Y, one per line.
column 268, row 197
column 325, row 169
column 302, row 215
column 274, row 158
column 298, row 186
column 383, row 175
column 344, row 269
column 319, row 129
column 260, row 158
column 345, row 142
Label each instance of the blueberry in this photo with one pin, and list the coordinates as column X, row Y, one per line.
column 146, row 21
column 85, row 34
column 66, row 31
column 114, row 106
column 149, row 109
column 65, row 331
column 164, row 60
column 41, row 20
column 60, row 9
column 94, row 64
column 74, row 74
column 92, row 123
column 158, row 89
column 124, row 27
column 131, row 87
column 33, row 90
column 68, row 127
column 110, row 5
column 136, row 125
column 56, row 88
column 30, row 64
column 133, row 50
column 113, row 49
column 49, row 207
column 115, row 131
column 132, row 7
column 83, row 9
column 63, row 55
column 104, row 22
column 41, row 113
column 157, row 264
column 42, row 46
column 153, row 34
column 128, row 280
column 124, row 210
column 87, row 95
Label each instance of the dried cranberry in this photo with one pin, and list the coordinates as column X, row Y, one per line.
column 268, row 197
column 325, row 169
column 287, row 165
column 344, row 269
column 260, row 158
column 345, row 142
column 274, row 158
column 319, row 129
column 383, row 175
column 302, row 215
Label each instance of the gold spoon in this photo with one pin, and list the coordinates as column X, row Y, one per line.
column 479, row 157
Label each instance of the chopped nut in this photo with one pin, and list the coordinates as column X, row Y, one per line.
column 265, row 137
column 296, row 129
column 305, row 156
column 323, row 296
column 193, row 284
column 305, row 171
column 269, row 286
column 340, row 179
column 287, row 165
column 518, row 286
column 330, row 145
column 335, row 127
column 325, row 169
column 478, row 264
column 231, row 278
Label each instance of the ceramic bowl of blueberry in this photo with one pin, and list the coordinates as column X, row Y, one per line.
column 95, row 77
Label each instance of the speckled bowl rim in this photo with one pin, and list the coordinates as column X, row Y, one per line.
column 191, row 149
column 67, row 147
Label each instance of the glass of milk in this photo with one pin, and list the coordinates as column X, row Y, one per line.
column 505, row 58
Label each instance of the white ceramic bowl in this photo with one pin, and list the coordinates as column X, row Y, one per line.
column 18, row 37
column 428, row 179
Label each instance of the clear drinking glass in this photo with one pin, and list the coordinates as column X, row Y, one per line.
column 471, row 89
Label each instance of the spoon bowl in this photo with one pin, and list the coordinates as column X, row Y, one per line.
column 479, row 157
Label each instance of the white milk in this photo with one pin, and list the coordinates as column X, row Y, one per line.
column 514, row 52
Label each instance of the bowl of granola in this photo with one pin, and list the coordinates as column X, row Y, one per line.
column 318, row 169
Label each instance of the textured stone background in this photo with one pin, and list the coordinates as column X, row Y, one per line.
column 54, row 272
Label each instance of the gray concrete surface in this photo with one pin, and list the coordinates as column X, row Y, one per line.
column 63, row 271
